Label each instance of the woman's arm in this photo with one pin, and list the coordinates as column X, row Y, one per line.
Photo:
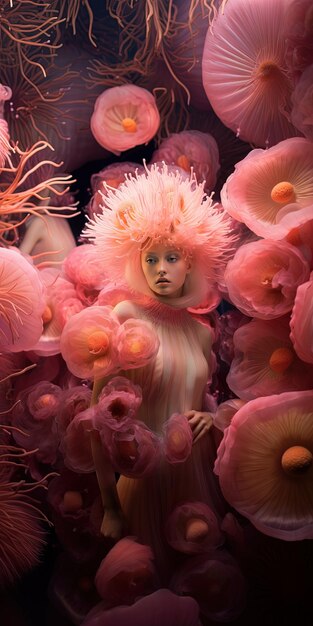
column 201, row 421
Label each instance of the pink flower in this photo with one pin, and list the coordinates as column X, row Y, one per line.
column 137, row 344
column 112, row 294
column 265, row 362
column 134, row 449
column 82, row 267
column 299, row 37
column 215, row 581
column 112, row 175
column 209, row 303
column 21, row 302
column 226, row 411
column 302, row 238
column 177, row 525
column 301, row 322
column 302, row 113
column 120, row 398
column 244, row 70
column 76, row 443
column 177, row 439
column 191, row 149
column 126, row 573
column 265, row 464
column 263, row 277
column 74, row 400
column 124, row 117
column 271, row 191
column 88, row 342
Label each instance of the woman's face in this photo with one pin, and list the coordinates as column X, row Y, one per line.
column 165, row 269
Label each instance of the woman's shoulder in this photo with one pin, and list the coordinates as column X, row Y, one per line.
column 126, row 309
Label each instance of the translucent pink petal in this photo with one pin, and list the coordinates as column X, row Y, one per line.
column 177, row 523
column 301, row 322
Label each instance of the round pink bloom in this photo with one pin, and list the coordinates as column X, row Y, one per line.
column 265, row 464
column 88, row 343
column 126, row 573
column 265, row 362
column 112, row 294
column 225, row 412
column 124, row 117
column 215, row 581
column 82, row 267
column 209, row 303
column 302, row 96
column 271, row 191
column 137, row 344
column 263, row 277
column 76, row 443
column 191, row 149
column 302, row 238
column 112, row 175
column 178, row 521
column 177, row 439
column 134, row 449
column 120, row 398
column 166, row 607
column 74, row 400
column 301, row 322
column 21, row 302
column 244, row 70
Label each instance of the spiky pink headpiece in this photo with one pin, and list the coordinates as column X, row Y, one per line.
column 159, row 206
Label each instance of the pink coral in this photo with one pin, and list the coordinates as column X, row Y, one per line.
column 301, row 322
column 191, row 149
column 177, row 524
column 271, row 191
column 124, row 117
column 137, row 343
column 265, row 464
column 244, row 70
column 265, row 361
column 263, row 277
column 177, row 439
column 88, row 342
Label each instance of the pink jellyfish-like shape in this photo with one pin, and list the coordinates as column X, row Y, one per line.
column 124, row 117
column 301, row 322
column 244, row 71
column 302, row 99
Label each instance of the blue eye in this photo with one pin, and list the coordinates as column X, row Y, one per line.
column 150, row 260
column 172, row 258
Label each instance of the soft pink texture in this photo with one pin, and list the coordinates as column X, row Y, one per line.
column 302, row 97
column 251, row 374
column 119, row 103
column 246, row 195
column 163, row 606
column 81, row 358
column 226, row 326
column 126, row 573
column 74, row 400
column 199, row 151
column 112, row 294
column 177, row 439
column 244, row 71
column 225, row 412
column 76, row 443
column 21, row 302
column 301, row 322
column 120, row 398
column 112, row 175
column 176, row 528
column 215, row 581
column 302, row 238
column 82, row 267
column 263, row 277
column 249, row 464
column 137, row 344
column 299, row 36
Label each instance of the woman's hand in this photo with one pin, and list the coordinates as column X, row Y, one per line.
column 200, row 423
column 113, row 524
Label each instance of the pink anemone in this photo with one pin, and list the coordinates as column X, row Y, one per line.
column 271, row 191
column 88, row 342
column 244, row 70
column 263, row 277
column 177, row 528
column 265, row 361
column 137, row 343
column 124, row 117
column 301, row 322
column 177, row 439
column 191, row 149
column 21, row 302
column 112, row 175
column 265, row 464
column 76, row 443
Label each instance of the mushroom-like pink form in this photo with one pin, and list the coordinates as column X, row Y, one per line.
column 21, row 302
column 265, row 361
column 124, row 117
column 302, row 97
column 244, row 70
column 112, row 176
column 271, row 191
column 177, row 528
column 265, row 464
column 263, row 277
column 191, row 149
column 301, row 322
column 88, row 342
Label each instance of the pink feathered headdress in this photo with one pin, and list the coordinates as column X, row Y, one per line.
column 159, row 206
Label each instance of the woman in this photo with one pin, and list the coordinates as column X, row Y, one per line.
column 166, row 239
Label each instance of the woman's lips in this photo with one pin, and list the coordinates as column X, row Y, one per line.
column 162, row 281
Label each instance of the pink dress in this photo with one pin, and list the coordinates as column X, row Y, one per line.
column 174, row 383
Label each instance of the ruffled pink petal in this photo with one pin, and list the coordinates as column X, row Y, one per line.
column 301, row 322
column 177, row 439
column 113, row 176
column 302, row 110
column 76, row 443
column 176, row 527
column 137, row 343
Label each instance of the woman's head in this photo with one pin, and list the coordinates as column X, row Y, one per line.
column 165, row 269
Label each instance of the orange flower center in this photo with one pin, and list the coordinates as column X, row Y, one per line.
column 129, row 125
column 135, row 346
column 47, row 399
column 268, row 71
column 283, row 192
column 281, row 359
column 127, row 449
column 72, row 501
column 196, row 529
column 98, row 342
column 47, row 315
column 177, row 441
column 296, row 460
column 183, row 162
